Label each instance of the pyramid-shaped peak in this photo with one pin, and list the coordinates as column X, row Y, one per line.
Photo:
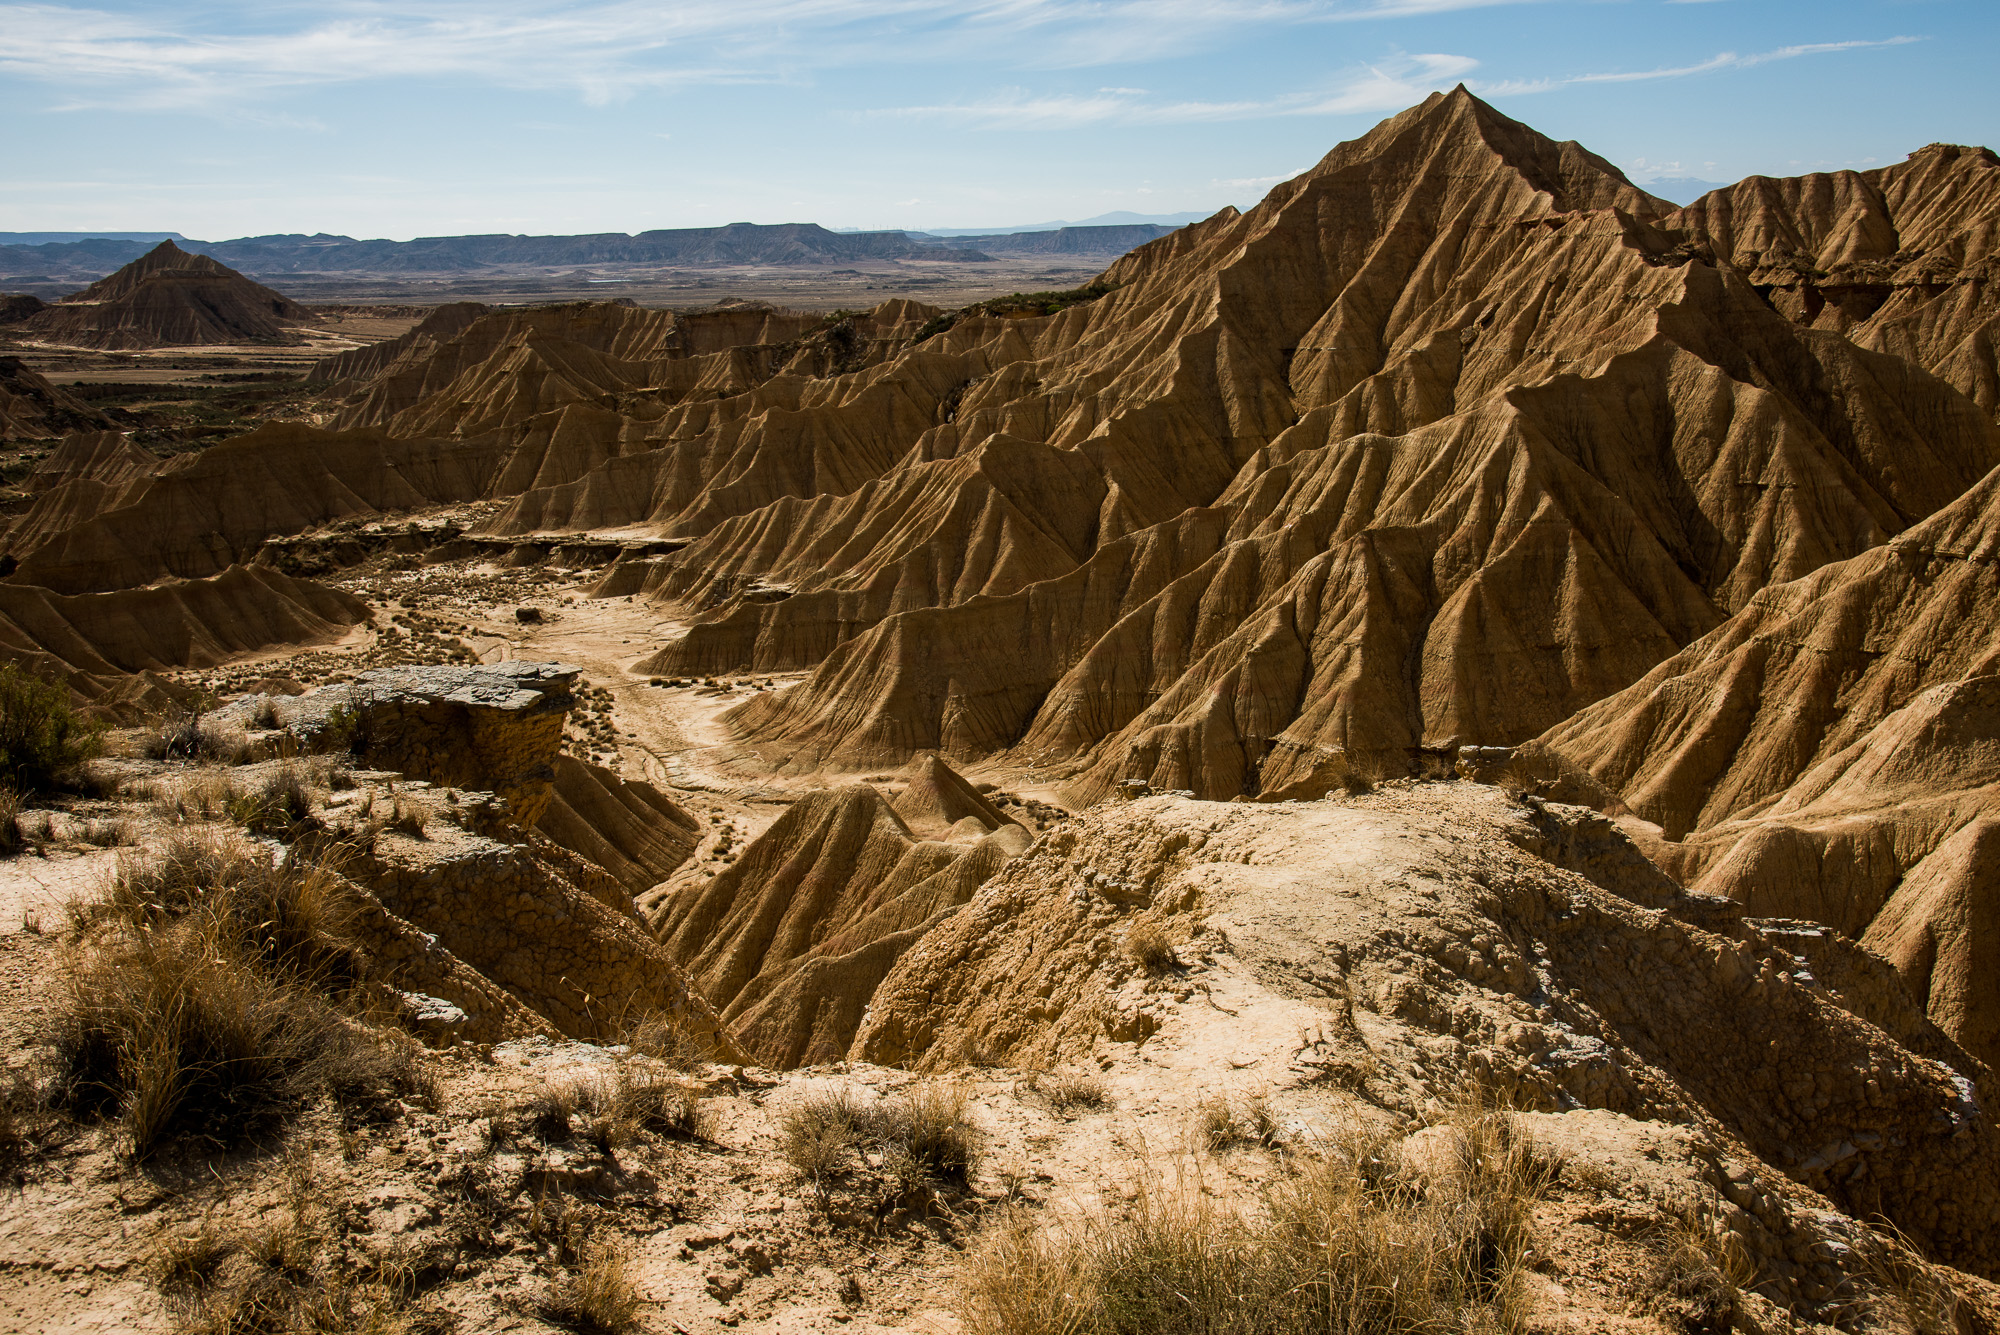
column 169, row 297
column 938, row 798
column 165, row 258
column 1474, row 140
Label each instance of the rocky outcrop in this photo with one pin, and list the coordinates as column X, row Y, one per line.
column 496, row 727
column 347, row 371
column 1409, row 946
column 937, row 802
column 1811, row 756
column 205, row 512
column 631, row 829
column 551, row 931
column 1466, row 479
column 478, row 907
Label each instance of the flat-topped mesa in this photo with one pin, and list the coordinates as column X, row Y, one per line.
column 496, row 727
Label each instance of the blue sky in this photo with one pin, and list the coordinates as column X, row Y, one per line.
column 435, row 117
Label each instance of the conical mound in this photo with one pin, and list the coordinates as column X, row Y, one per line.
column 937, row 798
column 169, row 298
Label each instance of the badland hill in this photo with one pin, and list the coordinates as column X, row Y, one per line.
column 168, row 298
column 1464, row 624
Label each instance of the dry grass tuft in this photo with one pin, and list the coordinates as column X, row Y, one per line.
column 1910, row 1293
column 918, row 1137
column 1148, row 947
column 181, row 734
column 817, row 1134
column 26, row 1129
column 186, row 1264
column 1221, row 1124
column 212, row 994
column 665, row 1038
column 281, row 805
column 598, row 1296
column 1073, row 1091
column 663, row 1105
column 280, row 1279
column 1341, row 1244
column 550, row 1116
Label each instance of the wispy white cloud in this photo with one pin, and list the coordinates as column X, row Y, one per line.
column 1388, row 85
column 1725, row 60
column 604, row 49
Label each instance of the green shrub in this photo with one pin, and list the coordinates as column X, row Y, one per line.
column 42, row 740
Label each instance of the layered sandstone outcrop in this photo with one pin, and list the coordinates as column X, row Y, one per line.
column 95, row 639
column 496, row 727
column 501, row 874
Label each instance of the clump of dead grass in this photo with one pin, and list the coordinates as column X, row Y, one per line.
column 281, row 805
column 26, row 1127
column 284, row 1278
column 1221, row 1123
column 212, row 993
column 1147, row 946
column 666, row 1038
column 1696, row 1274
column 1910, row 1293
column 1347, row 1242
column 184, row 734
column 664, row 1105
column 1072, row 1091
column 598, row 1296
column 920, row 1137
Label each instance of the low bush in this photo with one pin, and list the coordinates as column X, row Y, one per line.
column 43, row 742
column 1340, row 1245
column 817, row 1133
column 11, row 839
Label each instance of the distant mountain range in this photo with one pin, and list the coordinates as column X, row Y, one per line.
column 1101, row 241
column 1122, row 218
column 737, row 243
column 784, row 244
column 51, row 238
